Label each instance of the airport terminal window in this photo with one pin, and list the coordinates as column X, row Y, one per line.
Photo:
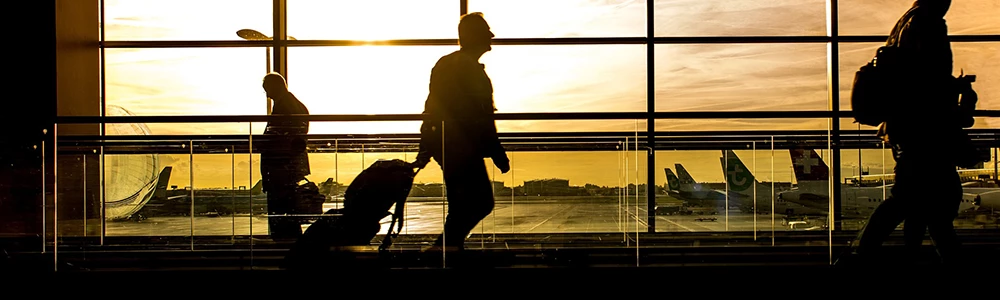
column 363, row 79
column 563, row 19
column 178, row 20
column 978, row 58
column 394, row 79
column 741, row 77
column 187, row 81
column 713, row 190
column 631, row 128
column 593, row 190
column 730, row 125
column 568, row 192
column 739, row 18
column 372, row 20
column 876, row 17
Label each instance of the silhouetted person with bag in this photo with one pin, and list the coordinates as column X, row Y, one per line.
column 284, row 161
column 923, row 131
column 459, row 131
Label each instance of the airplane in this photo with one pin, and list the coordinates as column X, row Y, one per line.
column 748, row 193
column 216, row 202
column 123, row 209
column 684, row 187
column 813, row 189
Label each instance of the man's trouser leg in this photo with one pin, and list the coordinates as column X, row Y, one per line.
column 940, row 213
column 883, row 221
column 280, row 201
column 470, row 199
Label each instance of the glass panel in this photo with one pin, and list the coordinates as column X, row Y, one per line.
column 978, row 59
column 25, row 165
column 129, row 20
column 569, row 192
column 877, row 17
column 571, row 126
column 372, row 20
column 741, row 77
column 698, row 197
column 739, row 17
column 197, row 81
column 694, row 125
column 575, row 18
column 350, row 80
column 865, row 174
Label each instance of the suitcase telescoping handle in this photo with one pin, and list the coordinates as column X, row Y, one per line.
column 397, row 221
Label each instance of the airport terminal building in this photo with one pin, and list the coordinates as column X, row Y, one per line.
column 639, row 133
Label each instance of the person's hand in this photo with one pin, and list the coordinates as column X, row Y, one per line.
column 502, row 163
column 420, row 163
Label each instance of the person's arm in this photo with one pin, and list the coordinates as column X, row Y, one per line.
column 478, row 92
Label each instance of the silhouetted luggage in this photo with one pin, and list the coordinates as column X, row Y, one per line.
column 366, row 202
column 874, row 88
column 876, row 84
column 308, row 202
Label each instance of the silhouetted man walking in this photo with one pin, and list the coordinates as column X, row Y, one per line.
column 923, row 135
column 284, row 161
column 459, row 130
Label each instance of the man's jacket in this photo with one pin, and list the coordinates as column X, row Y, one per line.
column 461, row 99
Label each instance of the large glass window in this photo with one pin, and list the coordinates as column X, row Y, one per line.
column 372, row 20
column 177, row 20
column 187, row 81
column 394, row 80
column 877, row 17
column 739, row 18
column 563, row 18
column 741, row 77
column 752, row 174
column 979, row 58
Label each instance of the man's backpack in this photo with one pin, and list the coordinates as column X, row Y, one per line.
column 872, row 94
column 874, row 91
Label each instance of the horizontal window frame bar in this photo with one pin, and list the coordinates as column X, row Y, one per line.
column 987, row 136
column 523, row 41
column 88, row 149
column 580, row 134
column 575, row 116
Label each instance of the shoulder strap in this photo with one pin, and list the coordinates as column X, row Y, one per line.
column 893, row 39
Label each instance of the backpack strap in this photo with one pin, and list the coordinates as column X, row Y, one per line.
column 893, row 39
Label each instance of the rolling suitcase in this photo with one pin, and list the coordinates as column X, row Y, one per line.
column 367, row 201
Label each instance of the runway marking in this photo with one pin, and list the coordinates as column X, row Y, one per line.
column 546, row 220
column 678, row 224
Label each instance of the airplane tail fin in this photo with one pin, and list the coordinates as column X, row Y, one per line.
column 257, row 188
column 808, row 165
column 162, row 181
column 687, row 181
column 673, row 183
column 738, row 176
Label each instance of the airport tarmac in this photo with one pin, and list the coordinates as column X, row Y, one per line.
column 427, row 217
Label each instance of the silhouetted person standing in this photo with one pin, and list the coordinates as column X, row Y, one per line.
column 922, row 133
column 284, row 161
column 459, row 130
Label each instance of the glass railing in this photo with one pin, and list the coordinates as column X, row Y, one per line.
column 128, row 190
